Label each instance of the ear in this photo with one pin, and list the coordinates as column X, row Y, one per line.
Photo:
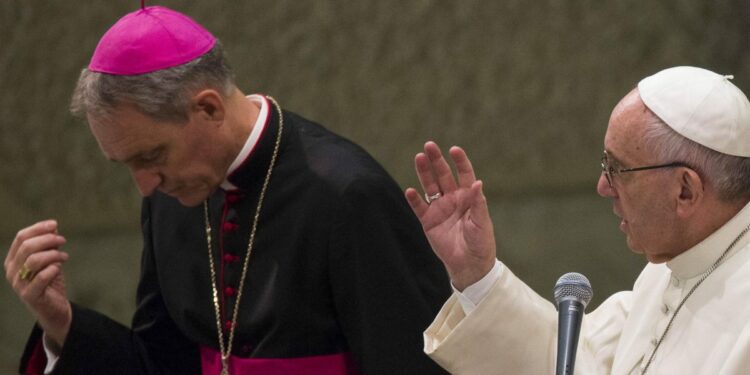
column 692, row 192
column 208, row 105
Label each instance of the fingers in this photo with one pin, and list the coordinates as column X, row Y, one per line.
column 42, row 227
column 36, row 287
column 34, row 245
column 435, row 174
column 34, row 239
column 37, row 262
column 466, row 177
column 39, row 283
column 416, row 203
column 425, row 174
column 39, row 243
column 480, row 214
column 440, row 168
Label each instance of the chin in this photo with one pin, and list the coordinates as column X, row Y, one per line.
column 650, row 256
column 191, row 200
column 632, row 245
column 190, row 203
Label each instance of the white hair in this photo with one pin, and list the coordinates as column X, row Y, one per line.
column 728, row 174
column 163, row 95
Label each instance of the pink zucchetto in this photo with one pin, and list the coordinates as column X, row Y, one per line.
column 150, row 39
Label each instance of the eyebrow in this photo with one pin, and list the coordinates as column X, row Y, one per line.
column 612, row 157
column 614, row 162
column 139, row 155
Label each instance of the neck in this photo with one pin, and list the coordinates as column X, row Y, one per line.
column 241, row 117
column 710, row 219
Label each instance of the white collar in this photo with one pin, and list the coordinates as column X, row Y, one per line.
column 252, row 140
column 700, row 257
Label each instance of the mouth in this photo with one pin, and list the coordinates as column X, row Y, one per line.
column 171, row 192
column 623, row 223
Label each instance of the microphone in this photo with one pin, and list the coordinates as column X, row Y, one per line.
column 572, row 293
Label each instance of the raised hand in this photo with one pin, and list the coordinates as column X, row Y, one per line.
column 454, row 215
column 33, row 267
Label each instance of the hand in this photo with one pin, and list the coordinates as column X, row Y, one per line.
column 457, row 224
column 33, row 267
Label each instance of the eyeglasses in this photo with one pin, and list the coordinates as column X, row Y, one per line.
column 610, row 170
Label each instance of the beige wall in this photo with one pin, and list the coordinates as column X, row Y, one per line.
column 525, row 86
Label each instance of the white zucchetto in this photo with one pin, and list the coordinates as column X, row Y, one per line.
column 702, row 106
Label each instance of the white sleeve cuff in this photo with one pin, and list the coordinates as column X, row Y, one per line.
column 475, row 293
column 52, row 356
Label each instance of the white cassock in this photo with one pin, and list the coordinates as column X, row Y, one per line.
column 514, row 331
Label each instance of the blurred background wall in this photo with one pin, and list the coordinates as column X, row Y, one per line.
column 525, row 86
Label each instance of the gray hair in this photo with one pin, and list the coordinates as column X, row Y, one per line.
column 728, row 174
column 163, row 95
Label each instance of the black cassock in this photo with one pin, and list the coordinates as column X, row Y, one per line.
column 340, row 270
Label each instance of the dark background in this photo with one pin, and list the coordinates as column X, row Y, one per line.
column 526, row 87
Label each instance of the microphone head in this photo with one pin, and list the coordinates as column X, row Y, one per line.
column 574, row 286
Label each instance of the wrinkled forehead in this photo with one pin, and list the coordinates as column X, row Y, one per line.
column 125, row 132
column 121, row 115
column 627, row 126
column 111, row 122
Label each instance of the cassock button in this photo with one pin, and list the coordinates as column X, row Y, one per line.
column 233, row 198
column 231, row 215
column 246, row 349
column 229, row 227
column 230, row 292
column 228, row 325
column 230, row 258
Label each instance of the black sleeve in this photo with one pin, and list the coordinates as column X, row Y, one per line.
column 388, row 284
column 98, row 345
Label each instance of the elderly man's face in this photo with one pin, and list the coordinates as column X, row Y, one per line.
column 179, row 160
column 644, row 200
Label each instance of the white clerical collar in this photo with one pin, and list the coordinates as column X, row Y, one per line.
column 252, row 140
column 700, row 257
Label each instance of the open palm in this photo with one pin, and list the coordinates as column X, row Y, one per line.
column 455, row 217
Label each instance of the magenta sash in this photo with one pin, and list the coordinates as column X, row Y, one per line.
column 332, row 364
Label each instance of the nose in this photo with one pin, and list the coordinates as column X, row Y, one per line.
column 603, row 187
column 146, row 180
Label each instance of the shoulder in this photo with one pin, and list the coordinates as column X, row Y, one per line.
column 337, row 161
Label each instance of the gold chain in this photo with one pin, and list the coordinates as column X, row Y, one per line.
column 708, row 272
column 226, row 350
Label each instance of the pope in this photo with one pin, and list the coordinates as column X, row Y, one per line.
column 676, row 167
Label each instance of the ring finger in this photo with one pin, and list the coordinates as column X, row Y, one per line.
column 39, row 261
column 425, row 175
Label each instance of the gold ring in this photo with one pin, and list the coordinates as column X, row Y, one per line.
column 25, row 273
